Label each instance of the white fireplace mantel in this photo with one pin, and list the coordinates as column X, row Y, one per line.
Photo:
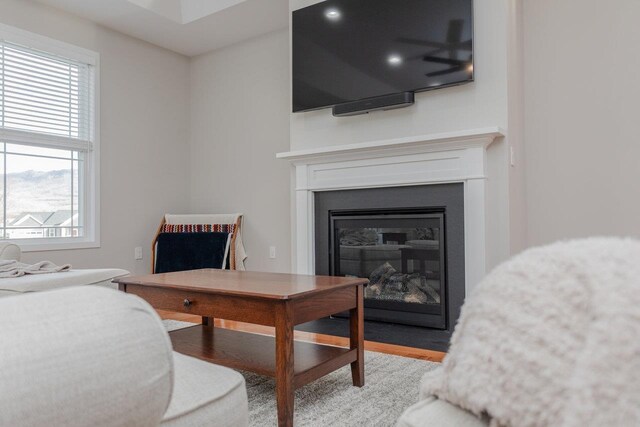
column 418, row 160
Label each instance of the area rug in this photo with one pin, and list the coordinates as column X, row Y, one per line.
column 391, row 386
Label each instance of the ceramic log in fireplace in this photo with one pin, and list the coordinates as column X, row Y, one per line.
column 401, row 252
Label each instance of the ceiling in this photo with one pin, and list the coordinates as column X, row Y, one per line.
column 189, row 27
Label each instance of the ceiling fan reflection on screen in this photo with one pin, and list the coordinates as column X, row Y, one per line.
column 451, row 47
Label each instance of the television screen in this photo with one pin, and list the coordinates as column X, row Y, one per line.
column 348, row 50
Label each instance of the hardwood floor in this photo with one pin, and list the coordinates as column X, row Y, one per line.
column 416, row 353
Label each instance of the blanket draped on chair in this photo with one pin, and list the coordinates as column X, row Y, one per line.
column 240, row 254
column 551, row 337
column 191, row 251
column 12, row 268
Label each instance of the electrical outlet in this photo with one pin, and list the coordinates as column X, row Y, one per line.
column 137, row 253
column 272, row 252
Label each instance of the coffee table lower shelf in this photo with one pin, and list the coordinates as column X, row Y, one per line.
column 256, row 353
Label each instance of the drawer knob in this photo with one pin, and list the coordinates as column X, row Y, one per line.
column 186, row 303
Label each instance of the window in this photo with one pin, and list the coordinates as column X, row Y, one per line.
column 48, row 142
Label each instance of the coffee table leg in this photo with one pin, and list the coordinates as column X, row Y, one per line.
column 284, row 364
column 207, row 321
column 356, row 337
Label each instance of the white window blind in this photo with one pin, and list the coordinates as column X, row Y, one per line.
column 45, row 100
column 49, row 142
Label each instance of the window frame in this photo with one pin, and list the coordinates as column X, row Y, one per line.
column 91, row 194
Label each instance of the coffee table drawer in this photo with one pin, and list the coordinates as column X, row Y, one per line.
column 174, row 300
column 207, row 305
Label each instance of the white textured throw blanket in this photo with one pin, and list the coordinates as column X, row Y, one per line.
column 550, row 338
column 10, row 268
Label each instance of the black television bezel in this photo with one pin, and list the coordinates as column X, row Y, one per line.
column 417, row 90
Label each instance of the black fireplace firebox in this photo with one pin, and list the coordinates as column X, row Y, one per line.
column 409, row 243
column 401, row 252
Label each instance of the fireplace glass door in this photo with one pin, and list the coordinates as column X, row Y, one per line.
column 402, row 254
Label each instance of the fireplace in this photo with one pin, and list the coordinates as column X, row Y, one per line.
column 409, row 243
column 461, row 175
column 401, row 252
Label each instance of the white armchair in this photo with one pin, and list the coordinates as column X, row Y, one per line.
column 550, row 337
column 10, row 252
column 47, row 282
column 92, row 356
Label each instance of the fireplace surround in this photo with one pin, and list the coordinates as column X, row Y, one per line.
column 409, row 241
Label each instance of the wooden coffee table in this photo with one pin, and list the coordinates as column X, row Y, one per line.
column 271, row 299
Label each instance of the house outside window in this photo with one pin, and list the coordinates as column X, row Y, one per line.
column 49, row 147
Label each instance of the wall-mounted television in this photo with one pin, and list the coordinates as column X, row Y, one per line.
column 350, row 50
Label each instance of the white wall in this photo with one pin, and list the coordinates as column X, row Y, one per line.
column 240, row 100
column 579, row 117
column 144, row 137
column 475, row 105
column 516, row 152
column 582, row 91
column 483, row 103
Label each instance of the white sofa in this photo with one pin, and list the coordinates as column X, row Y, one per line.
column 46, row 282
column 90, row 356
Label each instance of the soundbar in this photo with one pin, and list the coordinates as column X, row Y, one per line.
column 387, row 102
